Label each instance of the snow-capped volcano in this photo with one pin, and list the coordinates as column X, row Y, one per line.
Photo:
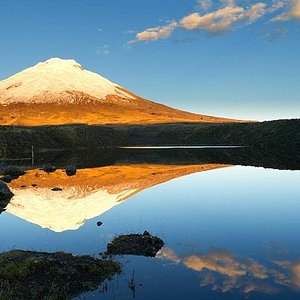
column 60, row 91
column 56, row 76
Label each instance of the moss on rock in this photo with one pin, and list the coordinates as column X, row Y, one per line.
column 135, row 244
column 38, row 275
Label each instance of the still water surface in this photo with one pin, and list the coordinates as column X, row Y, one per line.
column 230, row 231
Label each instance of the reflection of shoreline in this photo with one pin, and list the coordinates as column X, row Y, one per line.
column 181, row 147
column 271, row 157
column 90, row 193
column 224, row 272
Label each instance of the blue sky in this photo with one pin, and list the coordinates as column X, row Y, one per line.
column 228, row 58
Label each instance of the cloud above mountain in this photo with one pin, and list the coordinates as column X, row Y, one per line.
column 219, row 20
column 156, row 33
column 223, row 15
column 205, row 4
column 292, row 13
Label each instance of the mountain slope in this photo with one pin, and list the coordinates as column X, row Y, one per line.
column 60, row 91
column 57, row 77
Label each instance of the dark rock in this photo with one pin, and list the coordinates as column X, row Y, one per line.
column 5, row 195
column 3, row 165
column 7, row 178
column 13, row 171
column 99, row 223
column 71, row 170
column 135, row 244
column 49, row 168
column 34, row 185
column 5, row 191
column 36, row 275
column 56, row 189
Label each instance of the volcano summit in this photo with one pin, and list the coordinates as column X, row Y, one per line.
column 61, row 91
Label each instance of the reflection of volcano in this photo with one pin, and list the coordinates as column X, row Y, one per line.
column 88, row 194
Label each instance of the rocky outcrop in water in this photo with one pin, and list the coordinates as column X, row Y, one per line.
column 5, row 195
column 135, row 244
column 27, row 275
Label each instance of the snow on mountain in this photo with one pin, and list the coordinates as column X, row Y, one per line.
column 56, row 76
column 60, row 91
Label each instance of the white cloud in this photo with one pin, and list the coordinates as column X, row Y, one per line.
column 281, row 18
column 228, row 2
column 130, row 31
column 292, row 13
column 296, row 9
column 256, row 11
column 277, row 4
column 224, row 18
column 103, row 50
column 221, row 19
column 156, row 33
column 205, row 4
column 276, row 34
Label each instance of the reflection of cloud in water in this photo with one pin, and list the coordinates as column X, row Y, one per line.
column 168, row 254
column 217, row 262
column 292, row 278
column 222, row 271
column 277, row 248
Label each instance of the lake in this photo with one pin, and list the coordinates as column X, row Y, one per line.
column 229, row 219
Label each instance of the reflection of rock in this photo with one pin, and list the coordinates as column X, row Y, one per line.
column 71, row 170
column 135, row 244
column 7, row 178
column 49, row 168
column 88, row 194
column 37, row 275
column 56, row 189
column 12, row 171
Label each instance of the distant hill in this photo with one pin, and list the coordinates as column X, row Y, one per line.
column 281, row 133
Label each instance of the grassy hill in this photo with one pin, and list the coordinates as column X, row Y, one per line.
column 272, row 133
column 281, row 133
